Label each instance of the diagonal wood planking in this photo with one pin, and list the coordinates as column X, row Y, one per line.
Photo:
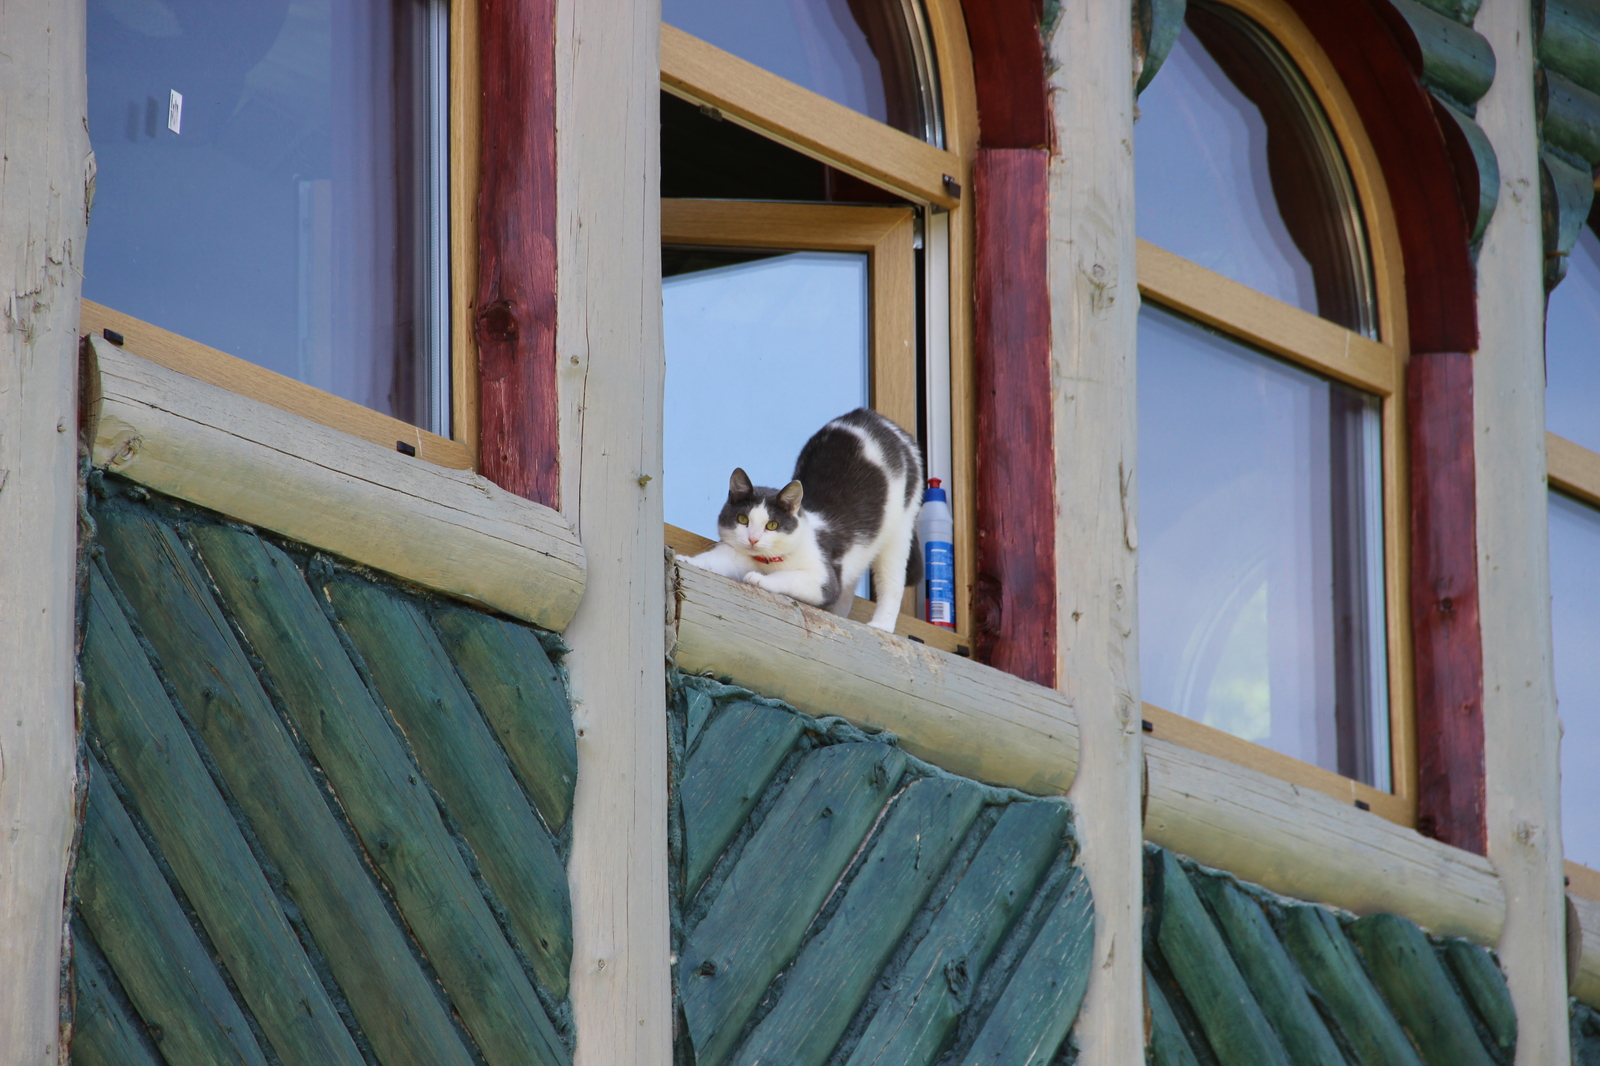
column 846, row 914
column 350, row 859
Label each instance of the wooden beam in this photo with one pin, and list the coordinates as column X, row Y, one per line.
column 515, row 311
column 1522, row 733
column 1014, row 602
column 45, row 188
column 1304, row 844
column 963, row 716
column 611, row 371
column 1444, row 600
column 447, row 530
column 1093, row 277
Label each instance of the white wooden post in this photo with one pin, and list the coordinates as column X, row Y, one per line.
column 610, row 362
column 42, row 227
column 1522, row 735
column 1094, row 302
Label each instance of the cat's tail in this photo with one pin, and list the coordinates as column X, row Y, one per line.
column 914, row 562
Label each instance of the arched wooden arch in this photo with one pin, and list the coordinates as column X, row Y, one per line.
column 1432, row 180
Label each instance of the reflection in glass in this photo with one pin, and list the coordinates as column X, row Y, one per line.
column 296, row 216
column 762, row 349
column 1572, row 348
column 874, row 56
column 1240, row 172
column 1575, row 625
column 1260, row 564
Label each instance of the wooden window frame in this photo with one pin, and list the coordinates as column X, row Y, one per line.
column 1375, row 366
column 926, row 175
column 215, row 367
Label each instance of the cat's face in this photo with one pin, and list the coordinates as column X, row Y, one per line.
column 758, row 521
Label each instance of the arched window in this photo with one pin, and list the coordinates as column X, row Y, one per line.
column 1572, row 416
column 812, row 168
column 1271, row 348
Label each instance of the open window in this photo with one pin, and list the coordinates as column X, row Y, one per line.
column 1271, row 355
column 1572, row 402
column 812, row 229
column 273, row 205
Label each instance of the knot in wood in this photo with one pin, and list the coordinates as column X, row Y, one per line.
column 708, row 968
column 498, row 322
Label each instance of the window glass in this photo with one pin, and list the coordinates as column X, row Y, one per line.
column 762, row 349
column 1260, row 556
column 1240, row 172
column 1572, row 348
column 289, row 210
column 869, row 55
column 1575, row 625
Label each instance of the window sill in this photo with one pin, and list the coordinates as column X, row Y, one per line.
column 1201, row 737
column 445, row 529
column 218, row 368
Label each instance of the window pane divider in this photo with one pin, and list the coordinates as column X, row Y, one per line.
column 1573, row 469
column 805, row 121
column 1258, row 319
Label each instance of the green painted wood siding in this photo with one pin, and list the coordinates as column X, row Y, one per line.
column 324, row 815
column 1237, row 976
column 842, row 903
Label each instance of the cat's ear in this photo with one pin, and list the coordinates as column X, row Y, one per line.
column 790, row 497
column 739, row 483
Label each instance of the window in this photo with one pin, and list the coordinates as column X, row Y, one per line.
column 812, row 229
column 1270, row 363
column 1572, row 396
column 273, row 183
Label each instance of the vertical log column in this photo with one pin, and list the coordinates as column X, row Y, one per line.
column 610, row 368
column 43, row 220
column 1094, row 300
column 1014, row 604
column 1521, row 732
column 514, row 314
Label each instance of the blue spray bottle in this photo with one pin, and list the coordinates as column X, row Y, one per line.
column 936, row 530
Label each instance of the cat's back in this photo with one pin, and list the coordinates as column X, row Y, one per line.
column 858, row 465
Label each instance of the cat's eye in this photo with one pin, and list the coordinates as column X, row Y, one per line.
column 744, row 520
column 772, row 525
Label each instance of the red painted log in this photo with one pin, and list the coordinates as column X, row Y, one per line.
column 1008, row 71
column 1444, row 601
column 1014, row 606
column 514, row 316
column 1378, row 60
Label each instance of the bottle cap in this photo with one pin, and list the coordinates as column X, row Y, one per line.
column 934, row 492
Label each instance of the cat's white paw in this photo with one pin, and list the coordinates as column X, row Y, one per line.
column 887, row 627
column 754, row 577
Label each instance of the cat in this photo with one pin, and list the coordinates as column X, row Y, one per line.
column 852, row 504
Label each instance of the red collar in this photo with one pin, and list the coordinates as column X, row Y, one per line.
column 764, row 559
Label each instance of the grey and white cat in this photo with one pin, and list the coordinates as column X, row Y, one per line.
column 852, row 505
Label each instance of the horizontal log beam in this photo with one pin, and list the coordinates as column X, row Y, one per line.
column 447, row 530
